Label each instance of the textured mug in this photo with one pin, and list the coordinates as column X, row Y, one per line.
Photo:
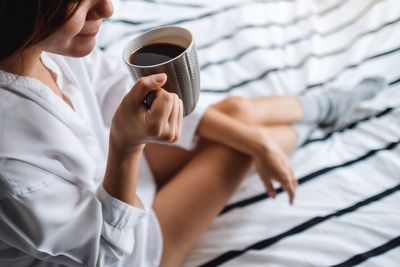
column 182, row 71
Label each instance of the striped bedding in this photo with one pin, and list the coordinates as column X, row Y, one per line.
column 347, row 210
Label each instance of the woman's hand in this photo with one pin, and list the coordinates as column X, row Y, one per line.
column 133, row 124
column 273, row 164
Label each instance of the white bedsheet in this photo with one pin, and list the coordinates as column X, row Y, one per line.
column 347, row 209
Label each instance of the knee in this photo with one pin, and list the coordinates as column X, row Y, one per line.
column 237, row 107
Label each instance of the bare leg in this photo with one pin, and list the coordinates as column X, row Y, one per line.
column 284, row 136
column 195, row 186
column 187, row 204
column 165, row 161
column 269, row 110
column 189, row 201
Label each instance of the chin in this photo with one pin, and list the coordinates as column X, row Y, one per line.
column 82, row 50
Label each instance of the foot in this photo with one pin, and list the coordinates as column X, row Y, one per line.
column 337, row 105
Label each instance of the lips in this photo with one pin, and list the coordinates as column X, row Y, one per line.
column 90, row 33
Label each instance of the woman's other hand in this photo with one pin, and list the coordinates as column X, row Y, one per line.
column 134, row 124
column 273, row 164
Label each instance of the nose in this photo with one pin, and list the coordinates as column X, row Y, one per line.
column 100, row 9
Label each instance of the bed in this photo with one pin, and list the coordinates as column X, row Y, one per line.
column 347, row 209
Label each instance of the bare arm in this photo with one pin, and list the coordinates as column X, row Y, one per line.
column 122, row 173
column 226, row 130
column 133, row 126
column 270, row 161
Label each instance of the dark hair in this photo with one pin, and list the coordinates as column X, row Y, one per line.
column 24, row 23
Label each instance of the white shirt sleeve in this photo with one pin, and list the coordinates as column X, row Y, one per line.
column 53, row 220
column 112, row 81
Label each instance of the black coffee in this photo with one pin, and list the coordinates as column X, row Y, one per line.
column 155, row 54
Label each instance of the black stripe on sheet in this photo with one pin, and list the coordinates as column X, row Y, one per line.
column 352, row 66
column 333, row 78
column 293, row 22
column 312, row 33
column 350, row 126
column 309, row 177
column 180, row 21
column 299, row 228
column 359, row 258
column 394, row 82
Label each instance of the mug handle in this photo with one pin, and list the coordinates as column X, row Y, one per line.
column 149, row 98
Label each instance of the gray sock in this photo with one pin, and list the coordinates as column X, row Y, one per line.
column 332, row 107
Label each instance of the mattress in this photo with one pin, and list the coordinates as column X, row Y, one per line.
column 347, row 207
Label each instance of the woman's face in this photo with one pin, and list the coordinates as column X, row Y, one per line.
column 77, row 37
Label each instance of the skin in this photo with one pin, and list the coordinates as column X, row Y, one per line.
column 194, row 186
column 236, row 135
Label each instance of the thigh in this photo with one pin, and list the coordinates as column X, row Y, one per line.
column 165, row 161
column 188, row 203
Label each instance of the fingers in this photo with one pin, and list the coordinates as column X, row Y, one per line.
column 285, row 177
column 293, row 187
column 270, row 189
column 281, row 171
column 162, row 105
column 165, row 117
column 289, row 186
column 146, row 84
column 175, row 118
column 158, row 115
column 180, row 118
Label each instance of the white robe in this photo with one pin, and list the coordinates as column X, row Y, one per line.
column 53, row 209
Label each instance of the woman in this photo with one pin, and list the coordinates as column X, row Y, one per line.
column 73, row 133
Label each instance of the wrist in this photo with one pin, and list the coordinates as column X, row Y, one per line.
column 119, row 146
column 260, row 142
column 122, row 171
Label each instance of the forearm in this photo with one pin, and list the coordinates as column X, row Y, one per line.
column 121, row 175
column 270, row 160
column 228, row 131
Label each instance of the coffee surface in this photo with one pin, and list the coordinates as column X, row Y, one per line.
column 155, row 54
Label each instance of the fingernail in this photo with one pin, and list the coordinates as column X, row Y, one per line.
column 158, row 78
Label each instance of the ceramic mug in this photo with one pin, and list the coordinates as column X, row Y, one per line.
column 182, row 70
